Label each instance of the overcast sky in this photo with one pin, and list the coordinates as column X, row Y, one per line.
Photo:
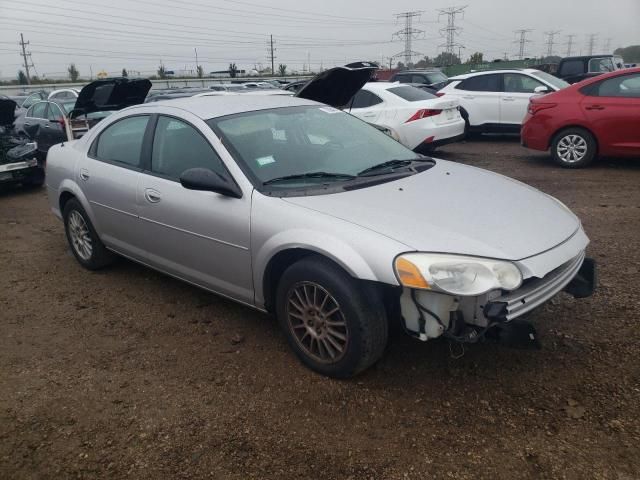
column 137, row 35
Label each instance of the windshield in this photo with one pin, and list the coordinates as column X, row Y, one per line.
column 281, row 142
column 550, row 79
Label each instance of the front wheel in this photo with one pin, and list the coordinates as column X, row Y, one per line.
column 335, row 325
column 573, row 148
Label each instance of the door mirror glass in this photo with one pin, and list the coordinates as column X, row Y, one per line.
column 541, row 89
column 207, row 180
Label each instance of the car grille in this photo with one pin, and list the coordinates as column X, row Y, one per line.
column 534, row 292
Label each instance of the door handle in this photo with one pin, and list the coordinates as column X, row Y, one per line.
column 369, row 115
column 152, row 196
column 595, row 107
column 84, row 174
column 508, row 99
column 468, row 97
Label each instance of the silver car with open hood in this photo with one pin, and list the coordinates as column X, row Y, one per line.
column 299, row 209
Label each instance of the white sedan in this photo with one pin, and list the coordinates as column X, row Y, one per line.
column 418, row 119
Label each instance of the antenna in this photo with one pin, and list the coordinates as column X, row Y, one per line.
column 408, row 33
column 451, row 31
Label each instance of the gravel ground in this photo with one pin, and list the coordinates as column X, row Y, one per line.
column 127, row 373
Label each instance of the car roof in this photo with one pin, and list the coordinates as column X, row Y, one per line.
column 588, row 57
column 221, row 105
column 495, row 70
column 426, row 70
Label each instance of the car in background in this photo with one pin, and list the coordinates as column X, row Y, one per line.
column 599, row 116
column 64, row 94
column 295, row 86
column 227, row 87
column 420, row 120
column 496, row 101
column 432, row 78
column 44, row 123
column 576, row 69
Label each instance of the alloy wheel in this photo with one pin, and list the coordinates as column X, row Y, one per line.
column 572, row 148
column 80, row 236
column 317, row 322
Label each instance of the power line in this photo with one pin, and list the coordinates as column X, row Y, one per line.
column 569, row 43
column 550, row 37
column 451, row 31
column 591, row 42
column 408, row 33
column 522, row 41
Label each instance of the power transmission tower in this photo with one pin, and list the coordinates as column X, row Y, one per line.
column 451, row 30
column 408, row 33
column 591, row 42
column 272, row 56
column 607, row 45
column 522, row 41
column 569, row 44
column 550, row 37
column 27, row 63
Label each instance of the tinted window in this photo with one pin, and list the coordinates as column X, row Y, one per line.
column 411, row 94
column 38, row 110
column 122, row 141
column 518, row 83
column 572, row 67
column 364, row 99
column 54, row 112
column 177, row 147
column 404, row 78
column 627, row 86
column 481, row 83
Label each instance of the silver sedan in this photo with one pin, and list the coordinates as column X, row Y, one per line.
column 299, row 209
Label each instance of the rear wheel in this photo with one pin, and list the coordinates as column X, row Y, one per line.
column 573, row 148
column 83, row 239
column 335, row 325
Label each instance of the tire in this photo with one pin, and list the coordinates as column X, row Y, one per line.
column 348, row 340
column 83, row 239
column 467, row 125
column 573, row 148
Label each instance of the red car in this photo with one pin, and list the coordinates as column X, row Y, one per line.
column 596, row 117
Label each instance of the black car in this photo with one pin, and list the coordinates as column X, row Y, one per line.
column 44, row 123
column 434, row 79
column 576, row 69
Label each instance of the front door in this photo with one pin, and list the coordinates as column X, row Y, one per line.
column 367, row 106
column 480, row 98
column 201, row 237
column 514, row 101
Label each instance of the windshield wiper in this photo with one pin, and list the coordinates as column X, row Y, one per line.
column 382, row 168
column 299, row 176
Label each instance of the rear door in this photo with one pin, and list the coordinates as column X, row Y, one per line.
column 201, row 237
column 480, row 97
column 35, row 120
column 518, row 88
column 367, row 106
column 53, row 131
column 612, row 107
column 109, row 177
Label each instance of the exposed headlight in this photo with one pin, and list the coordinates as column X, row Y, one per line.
column 456, row 274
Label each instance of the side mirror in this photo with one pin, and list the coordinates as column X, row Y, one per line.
column 541, row 89
column 207, row 180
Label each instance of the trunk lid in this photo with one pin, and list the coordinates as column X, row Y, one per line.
column 110, row 94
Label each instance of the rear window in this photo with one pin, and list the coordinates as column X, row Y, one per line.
column 411, row 94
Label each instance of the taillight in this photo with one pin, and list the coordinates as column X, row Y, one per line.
column 439, row 94
column 424, row 113
column 538, row 107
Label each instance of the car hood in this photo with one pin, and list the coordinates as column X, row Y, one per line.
column 338, row 85
column 454, row 208
column 110, row 94
column 7, row 112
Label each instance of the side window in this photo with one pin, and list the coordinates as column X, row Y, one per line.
column 38, row 110
column 627, row 86
column 122, row 141
column 601, row 65
column 518, row 83
column 481, row 83
column 403, row 78
column 54, row 112
column 419, row 79
column 177, row 146
column 365, row 99
column 31, row 99
column 572, row 67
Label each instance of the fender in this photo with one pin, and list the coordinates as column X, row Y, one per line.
column 69, row 185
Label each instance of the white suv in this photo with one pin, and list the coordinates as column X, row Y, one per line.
column 497, row 100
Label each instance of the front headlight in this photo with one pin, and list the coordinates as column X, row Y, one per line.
column 456, row 274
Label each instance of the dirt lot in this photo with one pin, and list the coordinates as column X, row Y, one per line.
column 129, row 374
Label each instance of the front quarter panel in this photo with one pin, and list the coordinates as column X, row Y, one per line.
column 277, row 225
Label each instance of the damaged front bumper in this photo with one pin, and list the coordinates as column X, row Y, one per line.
column 21, row 164
column 428, row 314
